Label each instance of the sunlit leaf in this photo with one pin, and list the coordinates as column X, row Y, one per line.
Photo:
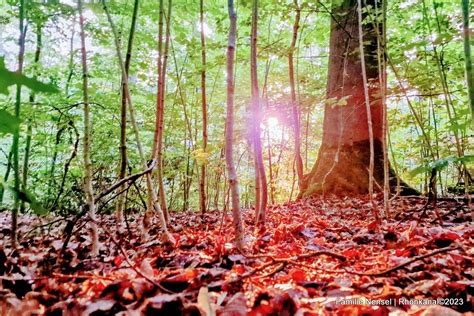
column 201, row 156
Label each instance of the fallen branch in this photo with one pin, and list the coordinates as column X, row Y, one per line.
column 300, row 264
column 70, row 225
column 319, row 253
column 277, row 269
column 137, row 270
column 445, row 198
column 251, row 272
column 57, row 275
column 302, row 256
column 42, row 225
column 453, row 211
column 402, row 265
column 13, row 279
column 281, row 262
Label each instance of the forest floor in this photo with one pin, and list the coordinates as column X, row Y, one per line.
column 315, row 257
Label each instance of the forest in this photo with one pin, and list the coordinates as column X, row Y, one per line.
column 239, row 157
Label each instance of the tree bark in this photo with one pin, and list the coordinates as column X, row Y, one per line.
column 467, row 57
column 88, row 190
column 260, row 177
column 382, row 68
column 7, row 174
column 162, row 192
column 16, row 133
column 29, row 131
column 152, row 196
column 294, row 105
column 157, row 132
column 344, row 157
column 229, row 126
column 270, row 168
column 367, row 98
column 202, row 180
column 123, row 118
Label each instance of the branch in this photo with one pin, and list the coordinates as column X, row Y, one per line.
column 296, row 258
column 402, row 265
column 133, row 266
column 68, row 230
column 119, row 183
column 280, row 262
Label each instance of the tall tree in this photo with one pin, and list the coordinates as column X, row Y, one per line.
column 381, row 49
column 16, row 133
column 294, row 105
column 88, row 190
column 467, row 56
column 152, row 196
column 29, row 131
column 229, row 129
column 162, row 192
column 345, row 154
column 469, row 80
column 160, row 102
column 368, row 110
column 123, row 116
column 202, row 180
column 156, row 134
column 261, row 190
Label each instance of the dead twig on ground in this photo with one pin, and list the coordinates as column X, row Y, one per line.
column 402, row 265
column 134, row 267
column 302, row 256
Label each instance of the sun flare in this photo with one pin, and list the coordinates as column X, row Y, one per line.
column 274, row 126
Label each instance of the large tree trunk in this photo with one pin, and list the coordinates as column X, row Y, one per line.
column 343, row 159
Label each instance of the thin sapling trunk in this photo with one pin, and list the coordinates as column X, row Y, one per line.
column 229, row 123
column 260, row 178
column 88, row 190
column 294, row 106
column 202, row 180
column 367, row 101
column 167, row 237
column 123, row 120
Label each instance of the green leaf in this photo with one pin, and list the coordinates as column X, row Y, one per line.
column 8, row 122
column 28, row 197
column 440, row 164
column 9, row 78
column 443, row 39
column 418, row 170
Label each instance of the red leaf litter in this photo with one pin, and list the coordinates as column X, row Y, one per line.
column 320, row 256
